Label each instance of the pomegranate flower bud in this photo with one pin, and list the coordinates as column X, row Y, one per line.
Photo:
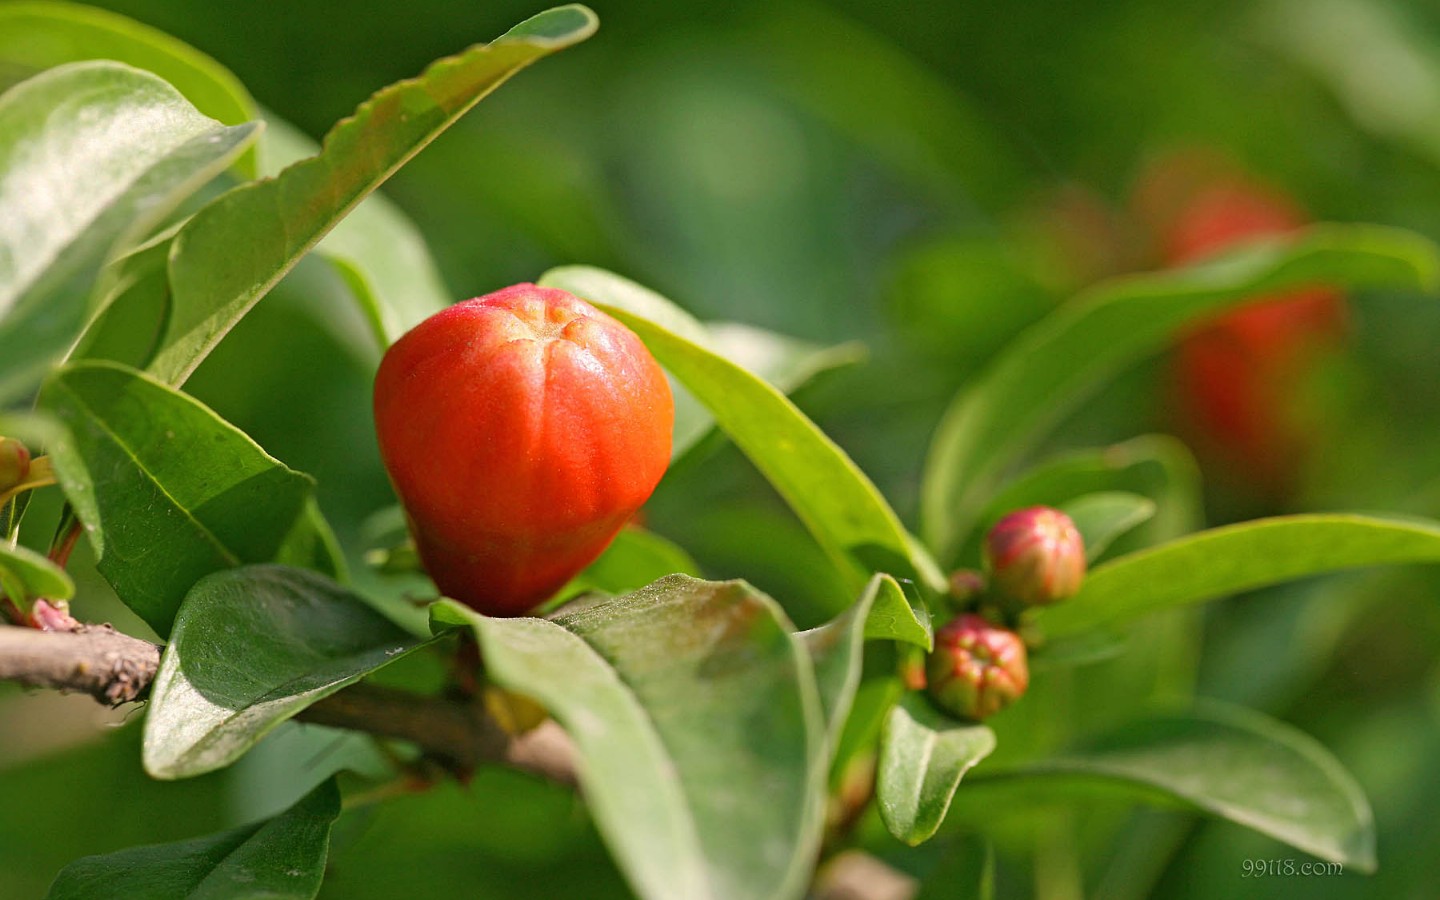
column 966, row 585
column 976, row 669
column 1035, row 556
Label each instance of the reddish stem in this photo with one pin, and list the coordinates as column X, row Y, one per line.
column 60, row 553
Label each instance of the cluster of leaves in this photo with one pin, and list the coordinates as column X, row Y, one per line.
column 687, row 700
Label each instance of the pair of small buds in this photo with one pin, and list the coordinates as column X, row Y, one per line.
column 1034, row 557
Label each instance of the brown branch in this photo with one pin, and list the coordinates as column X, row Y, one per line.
column 460, row 734
column 115, row 668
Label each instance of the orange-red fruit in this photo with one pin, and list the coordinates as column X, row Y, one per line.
column 521, row 430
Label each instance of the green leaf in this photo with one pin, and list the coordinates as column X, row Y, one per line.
column 966, row 869
column 92, row 155
column 1225, row 761
column 838, row 504
column 782, row 361
column 303, row 638
column 1223, row 561
column 923, row 756
column 1059, row 362
column 235, row 250
column 634, row 559
column 279, row 859
column 884, row 612
column 167, row 490
column 686, row 700
column 1102, row 517
column 312, row 544
column 376, row 249
column 38, row 36
column 25, row 574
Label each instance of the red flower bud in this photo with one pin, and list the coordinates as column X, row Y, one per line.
column 976, row 668
column 1036, row 556
column 966, row 585
column 521, row 430
column 1237, row 380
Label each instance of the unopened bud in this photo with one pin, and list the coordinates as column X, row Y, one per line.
column 14, row 463
column 977, row 669
column 966, row 585
column 1035, row 556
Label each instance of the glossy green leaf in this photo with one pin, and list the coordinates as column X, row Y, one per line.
column 634, row 559
column 304, row 638
column 92, row 155
column 686, row 700
column 923, row 756
column 1236, row 558
column 25, row 574
column 838, row 504
column 1056, row 364
column 376, row 249
column 1102, row 517
column 1225, row 761
column 40, row 35
column 279, row 859
column 233, row 252
column 167, row 490
column 883, row 612
column 782, row 361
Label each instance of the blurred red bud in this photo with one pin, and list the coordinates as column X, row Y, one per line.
column 976, row 669
column 1237, row 379
column 1035, row 556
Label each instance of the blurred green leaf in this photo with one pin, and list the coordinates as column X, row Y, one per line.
column 39, row 35
column 92, row 155
column 376, row 248
column 303, row 638
column 1223, row 561
column 279, row 859
column 687, row 700
column 167, row 490
column 883, row 612
column 1155, row 466
column 1060, row 361
column 235, row 250
column 838, row 504
column 634, row 559
column 923, row 756
column 966, row 869
column 782, row 361
column 312, row 544
column 1225, row 761
column 25, row 574
column 1102, row 517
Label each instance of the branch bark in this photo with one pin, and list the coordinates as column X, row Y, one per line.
column 115, row 668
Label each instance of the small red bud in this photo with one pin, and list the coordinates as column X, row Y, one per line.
column 966, row 585
column 1036, row 556
column 977, row 669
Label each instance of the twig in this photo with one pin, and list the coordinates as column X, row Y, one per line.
column 115, row 668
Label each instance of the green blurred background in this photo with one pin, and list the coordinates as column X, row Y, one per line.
column 929, row 179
